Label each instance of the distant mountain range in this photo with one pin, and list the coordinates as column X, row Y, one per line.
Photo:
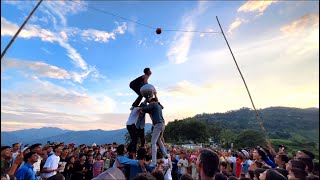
column 42, row 135
column 280, row 122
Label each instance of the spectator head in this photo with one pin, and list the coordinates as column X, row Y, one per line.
column 31, row 157
column 295, row 164
column 36, row 148
column 121, row 150
column 147, row 71
column 207, row 163
column 282, row 171
column 281, row 160
column 257, row 172
column 82, row 157
column 143, row 176
column 186, row 177
column 308, row 162
column 271, row 174
column 297, row 173
column 220, row 176
column 223, row 166
column 16, row 146
column 57, row 149
column 141, row 153
column 305, row 154
column 259, row 155
column 6, row 152
column 245, row 154
column 158, row 175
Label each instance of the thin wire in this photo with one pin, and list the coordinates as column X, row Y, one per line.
column 113, row 15
column 142, row 24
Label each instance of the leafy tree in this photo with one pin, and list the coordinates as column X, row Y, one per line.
column 250, row 138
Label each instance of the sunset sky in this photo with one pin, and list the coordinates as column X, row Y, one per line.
column 71, row 65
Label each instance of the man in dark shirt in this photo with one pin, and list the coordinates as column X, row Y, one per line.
column 155, row 111
column 137, row 83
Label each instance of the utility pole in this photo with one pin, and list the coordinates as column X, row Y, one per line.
column 17, row 33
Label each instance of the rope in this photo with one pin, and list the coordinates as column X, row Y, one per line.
column 136, row 22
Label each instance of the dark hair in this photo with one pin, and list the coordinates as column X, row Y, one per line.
column 309, row 153
column 284, row 158
column 141, row 153
column 244, row 178
column 159, row 154
column 28, row 155
column 154, row 99
column 186, row 177
column 146, row 70
column 210, row 162
column 144, row 176
column 14, row 144
column 298, row 164
column 64, row 149
column 226, row 173
column 158, row 175
column 56, row 147
column 262, row 154
column 299, row 173
column 5, row 147
column 232, row 178
column 220, row 176
column 258, row 171
column 272, row 174
column 34, row 146
column 282, row 171
column 308, row 162
column 223, row 164
column 251, row 174
column 120, row 149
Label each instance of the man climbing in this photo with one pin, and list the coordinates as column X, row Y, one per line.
column 136, row 84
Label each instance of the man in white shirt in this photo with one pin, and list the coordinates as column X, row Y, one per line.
column 183, row 164
column 132, row 129
column 51, row 168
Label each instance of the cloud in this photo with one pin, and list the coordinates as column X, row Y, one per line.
column 249, row 7
column 235, row 24
column 255, row 6
column 40, row 68
column 180, row 46
column 307, row 21
column 34, row 31
column 124, row 94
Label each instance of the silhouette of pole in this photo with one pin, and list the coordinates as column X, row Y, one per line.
column 17, row 33
column 257, row 114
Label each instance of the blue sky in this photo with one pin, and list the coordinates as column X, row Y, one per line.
column 71, row 65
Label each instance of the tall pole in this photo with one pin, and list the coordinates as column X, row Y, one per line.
column 234, row 59
column 17, row 33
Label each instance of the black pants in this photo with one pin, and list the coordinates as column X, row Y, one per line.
column 140, row 133
column 139, row 98
column 134, row 137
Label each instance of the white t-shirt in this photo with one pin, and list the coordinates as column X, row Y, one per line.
column 51, row 163
column 36, row 166
column 183, row 163
column 134, row 115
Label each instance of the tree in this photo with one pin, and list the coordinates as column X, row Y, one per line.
column 250, row 138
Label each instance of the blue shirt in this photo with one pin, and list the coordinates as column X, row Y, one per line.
column 26, row 172
column 127, row 161
column 270, row 163
column 134, row 170
column 155, row 112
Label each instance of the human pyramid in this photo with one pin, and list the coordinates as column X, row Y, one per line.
column 136, row 120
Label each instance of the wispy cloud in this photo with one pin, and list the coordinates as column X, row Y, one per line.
column 307, row 21
column 179, row 48
column 256, row 6
column 40, row 68
column 235, row 24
